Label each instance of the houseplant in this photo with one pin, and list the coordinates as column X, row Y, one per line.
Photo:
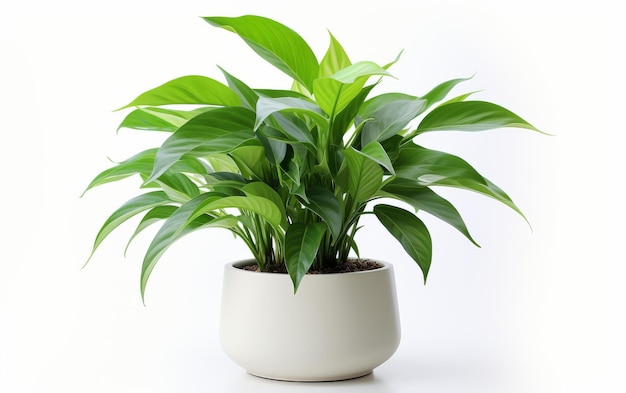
column 291, row 172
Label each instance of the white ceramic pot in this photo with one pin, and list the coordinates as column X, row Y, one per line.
column 337, row 326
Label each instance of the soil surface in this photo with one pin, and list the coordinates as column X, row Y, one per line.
column 352, row 265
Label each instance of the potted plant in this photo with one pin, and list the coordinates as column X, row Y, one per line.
column 291, row 173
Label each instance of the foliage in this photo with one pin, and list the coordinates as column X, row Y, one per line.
column 291, row 172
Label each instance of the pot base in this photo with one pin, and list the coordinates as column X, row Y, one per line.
column 338, row 379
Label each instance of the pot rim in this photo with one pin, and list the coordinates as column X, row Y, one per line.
column 236, row 265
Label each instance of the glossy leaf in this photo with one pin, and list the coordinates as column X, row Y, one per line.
column 261, row 189
column 191, row 89
column 177, row 226
column 435, row 168
column 323, row 203
column 335, row 92
column 410, row 231
column 376, row 152
column 153, row 216
column 423, row 198
column 389, row 114
column 276, row 43
column 263, row 207
column 128, row 210
column 158, row 119
column 268, row 106
column 471, row 116
column 178, row 187
column 335, row 58
column 217, row 131
column 251, row 162
column 302, row 241
column 440, row 91
column 364, row 176
column 293, row 127
column 140, row 163
column 247, row 96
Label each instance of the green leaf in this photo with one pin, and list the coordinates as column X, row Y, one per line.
column 140, row 163
column 335, row 92
column 334, row 60
column 159, row 119
column 191, row 89
column 440, row 91
column 301, row 244
column 345, row 118
column 261, row 189
column 410, row 231
column 153, row 216
column 293, row 127
column 423, row 198
column 178, row 186
column 471, row 116
column 247, row 96
column 387, row 115
column 276, row 43
column 357, row 70
column 263, row 207
column 269, row 106
column 376, row 152
column 323, row 202
column 177, row 226
column 216, row 131
column 435, row 168
column 126, row 211
column 251, row 162
column 364, row 175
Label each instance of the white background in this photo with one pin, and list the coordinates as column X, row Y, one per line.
column 531, row 311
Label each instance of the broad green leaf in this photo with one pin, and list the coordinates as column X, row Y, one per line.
column 376, row 152
column 140, row 163
column 153, row 216
column 440, row 91
column 364, row 175
column 247, row 96
column 263, row 207
column 191, row 89
column 261, row 189
column 301, row 244
column 178, row 186
column 277, row 93
column 269, row 106
column 126, row 211
column 335, row 92
column 323, row 203
column 436, row 168
column 159, row 119
column 216, row 131
column 362, row 68
column 333, row 96
column 177, row 226
column 274, row 42
column 387, row 115
column 344, row 120
column 275, row 149
column 294, row 128
column 410, row 231
column 251, row 162
column 335, row 58
column 423, row 198
column 222, row 163
column 471, row 116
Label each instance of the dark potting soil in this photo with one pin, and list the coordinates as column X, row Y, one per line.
column 352, row 265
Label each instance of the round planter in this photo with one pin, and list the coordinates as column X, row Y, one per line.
column 337, row 326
